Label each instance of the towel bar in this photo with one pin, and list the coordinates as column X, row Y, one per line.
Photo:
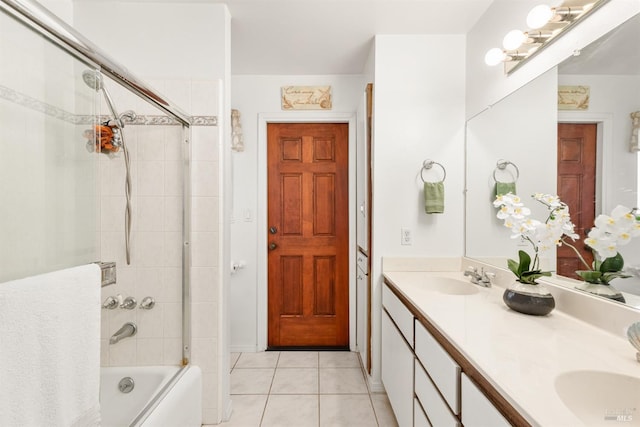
column 502, row 165
column 428, row 164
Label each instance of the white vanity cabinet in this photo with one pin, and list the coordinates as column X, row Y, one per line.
column 427, row 379
column 477, row 411
column 397, row 357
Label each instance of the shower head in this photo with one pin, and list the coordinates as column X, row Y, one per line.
column 93, row 79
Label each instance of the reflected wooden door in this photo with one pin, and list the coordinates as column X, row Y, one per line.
column 308, row 235
column 577, row 188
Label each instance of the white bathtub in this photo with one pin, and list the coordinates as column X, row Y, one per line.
column 179, row 402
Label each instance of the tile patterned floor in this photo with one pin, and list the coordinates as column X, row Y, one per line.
column 300, row 388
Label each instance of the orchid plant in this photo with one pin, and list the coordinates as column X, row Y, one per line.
column 610, row 232
column 542, row 236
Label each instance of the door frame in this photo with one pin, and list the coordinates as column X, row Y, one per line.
column 261, row 218
column 604, row 149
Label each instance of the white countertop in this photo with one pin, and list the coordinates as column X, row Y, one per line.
column 520, row 355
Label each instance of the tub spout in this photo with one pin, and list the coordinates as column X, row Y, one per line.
column 129, row 329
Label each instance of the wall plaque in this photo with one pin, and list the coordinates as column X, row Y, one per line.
column 573, row 97
column 306, row 97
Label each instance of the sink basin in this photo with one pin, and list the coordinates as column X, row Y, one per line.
column 450, row 286
column 601, row 398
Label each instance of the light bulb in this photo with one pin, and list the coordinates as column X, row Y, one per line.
column 494, row 56
column 513, row 39
column 539, row 16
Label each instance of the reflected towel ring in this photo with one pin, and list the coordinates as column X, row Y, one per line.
column 502, row 165
column 428, row 164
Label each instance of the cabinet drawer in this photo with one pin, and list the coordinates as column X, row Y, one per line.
column 442, row 369
column 437, row 410
column 419, row 418
column 477, row 410
column 399, row 313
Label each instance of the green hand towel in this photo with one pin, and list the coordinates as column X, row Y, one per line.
column 434, row 197
column 503, row 188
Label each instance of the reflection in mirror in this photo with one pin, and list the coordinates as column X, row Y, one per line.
column 528, row 129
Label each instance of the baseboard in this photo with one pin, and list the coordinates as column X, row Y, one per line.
column 375, row 386
column 243, row 349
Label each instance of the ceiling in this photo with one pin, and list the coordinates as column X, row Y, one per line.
column 615, row 53
column 333, row 36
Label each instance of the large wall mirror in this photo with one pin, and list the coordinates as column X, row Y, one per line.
column 518, row 139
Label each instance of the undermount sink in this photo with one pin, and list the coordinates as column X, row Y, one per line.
column 450, row 286
column 601, row 398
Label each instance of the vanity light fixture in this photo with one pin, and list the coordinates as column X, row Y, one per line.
column 546, row 23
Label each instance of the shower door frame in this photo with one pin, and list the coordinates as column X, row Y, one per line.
column 62, row 35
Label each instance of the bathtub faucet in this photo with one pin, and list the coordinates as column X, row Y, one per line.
column 129, row 329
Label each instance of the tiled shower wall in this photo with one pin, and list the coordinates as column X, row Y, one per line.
column 157, row 236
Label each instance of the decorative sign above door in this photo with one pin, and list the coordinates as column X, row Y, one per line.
column 306, row 98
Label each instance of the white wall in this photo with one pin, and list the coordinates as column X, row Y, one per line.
column 487, row 85
column 419, row 98
column 254, row 95
column 183, row 50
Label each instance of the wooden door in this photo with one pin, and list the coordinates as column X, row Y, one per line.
column 577, row 188
column 308, row 220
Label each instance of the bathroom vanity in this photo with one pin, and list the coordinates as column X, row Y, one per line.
column 453, row 354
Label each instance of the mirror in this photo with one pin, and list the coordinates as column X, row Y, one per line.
column 523, row 129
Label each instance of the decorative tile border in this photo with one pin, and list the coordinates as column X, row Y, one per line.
column 78, row 119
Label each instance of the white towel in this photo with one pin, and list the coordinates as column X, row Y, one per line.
column 50, row 349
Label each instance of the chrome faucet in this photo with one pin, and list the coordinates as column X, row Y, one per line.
column 483, row 278
column 129, row 329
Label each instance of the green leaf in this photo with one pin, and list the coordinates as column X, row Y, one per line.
column 513, row 266
column 608, row 277
column 525, row 262
column 612, row 264
column 590, row 275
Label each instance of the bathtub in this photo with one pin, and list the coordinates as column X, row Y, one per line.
column 162, row 396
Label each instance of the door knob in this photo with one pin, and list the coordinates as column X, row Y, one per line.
column 273, row 230
column 272, row 246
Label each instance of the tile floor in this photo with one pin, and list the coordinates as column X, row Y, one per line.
column 304, row 388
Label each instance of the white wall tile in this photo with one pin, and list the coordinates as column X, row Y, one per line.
column 204, row 249
column 149, row 351
column 172, row 213
column 149, row 282
column 123, row 353
column 173, row 249
column 203, row 354
column 173, row 146
column 148, row 213
column 204, row 320
column 150, row 143
column 204, row 144
column 172, row 320
column 204, row 282
column 104, row 352
column 172, row 351
column 112, row 213
column 148, row 249
column 173, row 178
column 204, row 213
column 179, row 91
column 150, row 179
column 150, row 322
column 112, row 247
column 204, row 179
column 172, row 285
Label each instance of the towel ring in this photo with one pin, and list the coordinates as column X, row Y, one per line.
column 428, row 164
column 502, row 165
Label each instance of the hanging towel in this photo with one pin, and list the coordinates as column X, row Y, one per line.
column 503, row 188
column 434, row 197
column 50, row 349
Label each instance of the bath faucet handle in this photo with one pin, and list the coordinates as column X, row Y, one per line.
column 129, row 303
column 147, row 303
column 110, row 303
column 487, row 277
